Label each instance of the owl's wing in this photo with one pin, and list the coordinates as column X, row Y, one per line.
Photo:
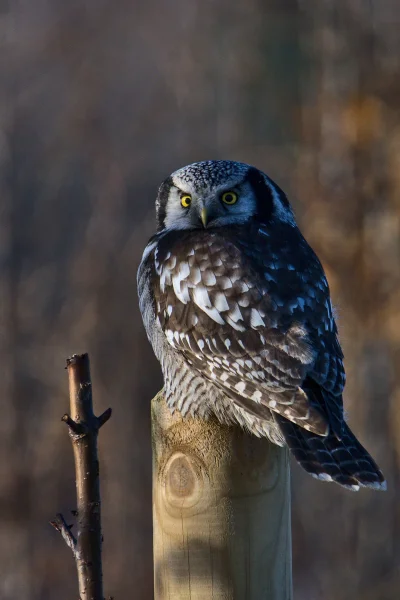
column 253, row 323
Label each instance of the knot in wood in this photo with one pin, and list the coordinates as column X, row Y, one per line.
column 184, row 483
column 182, row 479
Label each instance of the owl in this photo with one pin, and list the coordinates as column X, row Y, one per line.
column 237, row 308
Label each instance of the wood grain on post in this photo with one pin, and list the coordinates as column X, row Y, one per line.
column 221, row 512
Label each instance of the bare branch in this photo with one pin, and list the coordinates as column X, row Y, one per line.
column 83, row 429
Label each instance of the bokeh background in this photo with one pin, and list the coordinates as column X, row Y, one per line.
column 100, row 101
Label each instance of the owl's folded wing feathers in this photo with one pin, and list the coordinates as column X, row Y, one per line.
column 220, row 310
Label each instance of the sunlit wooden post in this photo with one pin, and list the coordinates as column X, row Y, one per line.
column 221, row 512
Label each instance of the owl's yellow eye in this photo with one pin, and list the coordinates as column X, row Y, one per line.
column 186, row 201
column 229, row 197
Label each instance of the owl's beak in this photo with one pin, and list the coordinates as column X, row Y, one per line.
column 204, row 217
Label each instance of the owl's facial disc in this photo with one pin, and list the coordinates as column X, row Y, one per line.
column 213, row 194
column 189, row 207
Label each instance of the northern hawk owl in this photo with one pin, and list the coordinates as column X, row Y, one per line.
column 237, row 308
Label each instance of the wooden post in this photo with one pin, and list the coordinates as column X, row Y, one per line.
column 221, row 512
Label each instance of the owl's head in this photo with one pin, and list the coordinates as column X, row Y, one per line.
column 217, row 193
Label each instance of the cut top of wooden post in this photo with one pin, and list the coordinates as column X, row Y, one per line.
column 221, row 511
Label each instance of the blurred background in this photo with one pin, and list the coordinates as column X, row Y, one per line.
column 100, row 101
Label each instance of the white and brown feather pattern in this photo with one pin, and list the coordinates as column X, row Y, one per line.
column 195, row 396
column 185, row 389
column 229, row 323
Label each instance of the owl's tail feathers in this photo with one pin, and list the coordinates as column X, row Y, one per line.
column 344, row 461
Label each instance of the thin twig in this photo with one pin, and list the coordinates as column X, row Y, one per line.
column 61, row 526
column 77, row 428
column 102, row 419
column 83, row 429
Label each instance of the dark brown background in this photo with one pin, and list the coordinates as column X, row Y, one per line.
column 100, row 101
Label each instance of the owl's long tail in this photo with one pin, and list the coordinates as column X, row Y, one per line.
column 344, row 461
